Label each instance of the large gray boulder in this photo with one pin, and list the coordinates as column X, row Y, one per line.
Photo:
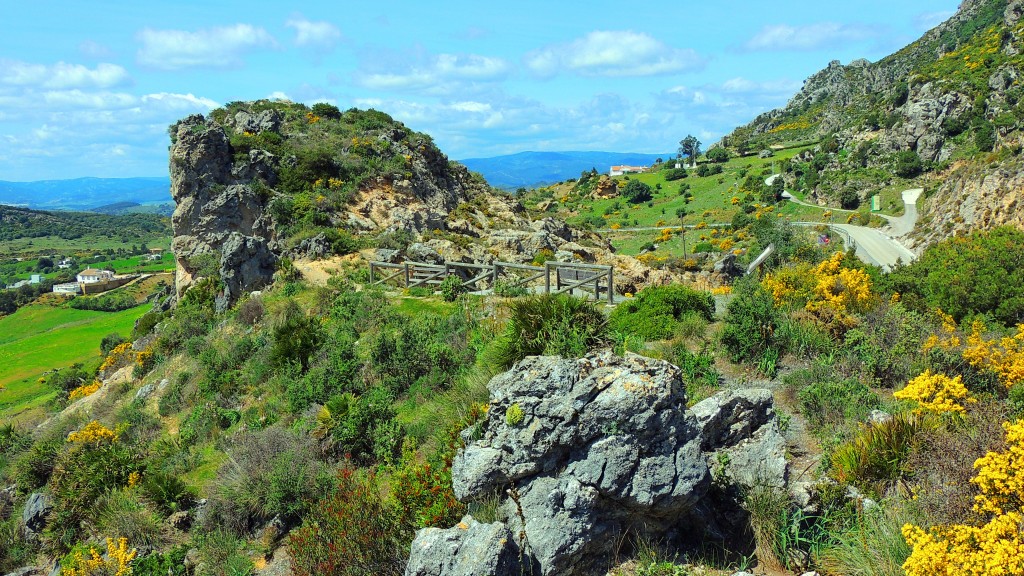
column 467, row 549
column 588, row 449
column 741, row 439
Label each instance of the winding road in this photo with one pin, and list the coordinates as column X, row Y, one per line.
column 877, row 246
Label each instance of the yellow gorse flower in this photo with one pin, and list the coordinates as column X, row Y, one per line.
column 117, row 563
column 936, row 393
column 93, row 433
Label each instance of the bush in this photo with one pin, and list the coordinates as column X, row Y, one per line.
column 967, row 276
column 126, row 512
column 548, row 324
column 829, row 404
column 250, row 311
column 169, row 563
column 874, row 545
column 907, row 164
column 32, row 469
column 273, row 472
column 110, row 302
column 351, row 532
column 751, row 323
column 109, row 342
column 636, row 192
column 878, row 456
column 655, row 312
column 424, row 353
column 451, row 287
column 296, row 336
column 362, row 428
column 168, row 492
column 675, row 174
column 717, row 155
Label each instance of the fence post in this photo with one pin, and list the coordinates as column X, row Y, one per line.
column 547, row 278
column 406, row 274
column 611, row 297
column 371, row 272
column 494, row 275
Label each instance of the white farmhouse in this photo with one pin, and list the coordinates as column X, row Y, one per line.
column 92, row 276
column 620, row 170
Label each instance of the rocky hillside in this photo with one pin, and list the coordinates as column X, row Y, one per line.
column 946, row 110
column 255, row 182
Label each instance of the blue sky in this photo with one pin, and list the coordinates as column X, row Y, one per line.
column 89, row 88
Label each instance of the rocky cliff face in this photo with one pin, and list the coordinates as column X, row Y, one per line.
column 221, row 223
column 584, row 452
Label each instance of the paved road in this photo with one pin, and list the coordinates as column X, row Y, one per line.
column 874, row 245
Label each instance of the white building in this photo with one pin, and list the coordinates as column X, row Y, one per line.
column 69, row 288
column 620, row 170
column 92, row 276
column 36, row 279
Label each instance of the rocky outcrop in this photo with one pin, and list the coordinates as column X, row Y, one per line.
column 33, row 517
column 221, row 219
column 585, row 451
column 467, row 549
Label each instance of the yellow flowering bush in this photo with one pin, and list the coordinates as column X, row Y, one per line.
column 1000, row 476
column 994, row 548
column 117, row 563
column 947, row 337
column 1003, row 356
column 84, row 390
column 936, row 393
column 93, row 433
column 828, row 290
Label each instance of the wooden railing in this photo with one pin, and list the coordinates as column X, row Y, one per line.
column 568, row 276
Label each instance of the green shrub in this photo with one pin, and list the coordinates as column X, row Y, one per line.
column 110, row 302
column 296, row 336
column 224, row 554
column 168, row 492
column 335, row 370
column 675, row 174
column 109, row 342
column 33, row 468
column 655, row 312
column 548, row 324
column 830, row 403
column 272, row 472
column 126, row 513
column 169, row 563
column 353, row 532
column 508, row 289
column 699, row 372
column 967, row 276
column 878, row 456
column 751, row 323
column 636, row 192
column 426, row 352
column 451, row 287
column 364, row 427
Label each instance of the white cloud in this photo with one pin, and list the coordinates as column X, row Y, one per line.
column 221, row 47
column 61, row 75
column 173, row 102
column 320, row 36
column 930, row 20
column 441, row 73
column 743, row 85
column 613, row 53
column 278, row 95
column 808, row 37
column 93, row 49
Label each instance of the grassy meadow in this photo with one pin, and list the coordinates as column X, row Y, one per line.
column 39, row 338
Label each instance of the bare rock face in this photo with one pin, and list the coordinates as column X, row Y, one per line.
column 467, row 549
column 219, row 215
column 584, row 451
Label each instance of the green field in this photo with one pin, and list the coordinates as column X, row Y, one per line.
column 47, row 245
column 39, row 338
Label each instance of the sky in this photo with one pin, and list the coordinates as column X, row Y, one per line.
column 89, row 88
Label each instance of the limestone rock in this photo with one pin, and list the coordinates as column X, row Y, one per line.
column 740, row 432
column 467, row 549
column 33, row 517
column 604, row 444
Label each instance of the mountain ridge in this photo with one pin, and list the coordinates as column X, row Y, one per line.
column 537, row 168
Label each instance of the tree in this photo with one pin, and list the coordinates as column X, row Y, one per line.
column 690, row 147
column 636, row 192
column 718, row 155
column 681, row 213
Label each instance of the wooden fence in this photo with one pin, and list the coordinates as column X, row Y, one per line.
column 568, row 276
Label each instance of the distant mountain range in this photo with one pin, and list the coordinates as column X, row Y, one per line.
column 531, row 169
column 85, row 194
column 121, row 195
